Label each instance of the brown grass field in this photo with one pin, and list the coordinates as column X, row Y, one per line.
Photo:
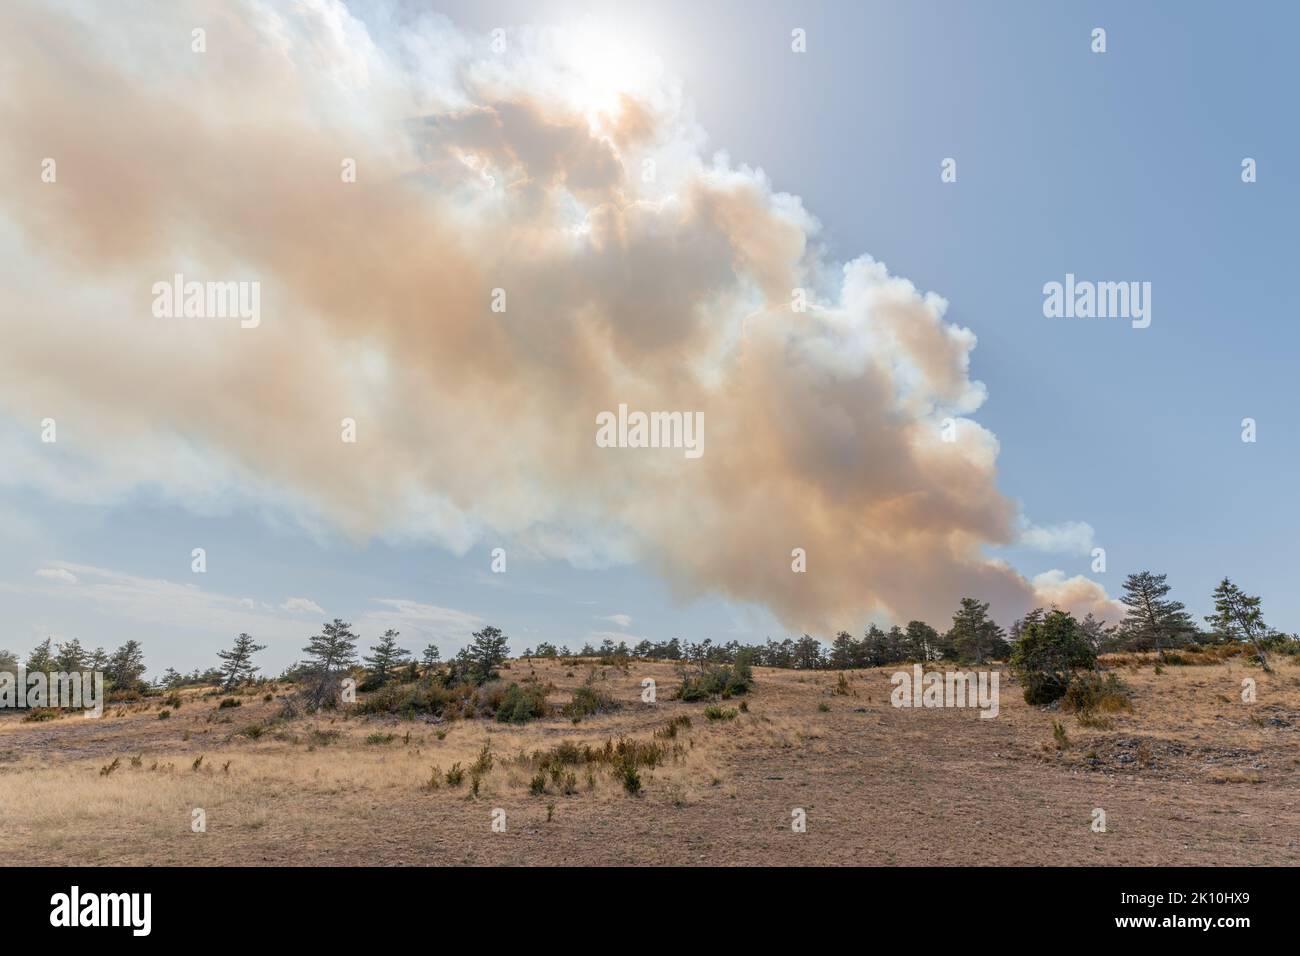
column 1192, row 775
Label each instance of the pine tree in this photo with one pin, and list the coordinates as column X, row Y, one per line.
column 387, row 657
column 843, row 651
column 237, row 663
column 875, row 647
column 895, row 644
column 1153, row 621
column 329, row 654
column 1022, row 625
column 70, row 657
column 1097, row 633
column 41, row 658
column 975, row 636
column 1051, row 648
column 485, row 653
column 126, row 666
column 922, row 641
column 808, row 653
column 431, row 657
column 1237, row 617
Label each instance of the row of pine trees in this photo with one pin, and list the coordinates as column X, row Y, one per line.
column 1153, row 622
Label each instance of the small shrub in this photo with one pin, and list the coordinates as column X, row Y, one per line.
column 229, row 702
column 1233, row 775
column 521, row 704
column 455, row 776
column 714, row 712
column 842, row 685
column 164, row 714
column 107, row 769
column 824, row 707
column 537, row 786
column 1059, row 735
column 483, row 763
column 173, row 701
column 423, row 697
column 589, row 699
column 380, row 739
column 41, row 714
column 718, row 680
column 630, row 778
column 322, row 738
column 1091, row 693
column 669, row 730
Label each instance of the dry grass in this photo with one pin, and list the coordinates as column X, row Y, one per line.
column 880, row 785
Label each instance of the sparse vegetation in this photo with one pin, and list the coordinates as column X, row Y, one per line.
column 1093, row 693
column 1119, row 727
column 717, row 680
column 589, row 699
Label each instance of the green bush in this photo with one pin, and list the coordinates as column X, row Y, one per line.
column 714, row 712
column 589, row 699
column 422, row 697
column 1051, row 650
column 718, row 680
column 521, row 704
column 631, row 778
column 228, row 703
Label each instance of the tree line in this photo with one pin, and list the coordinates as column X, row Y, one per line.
column 1152, row 622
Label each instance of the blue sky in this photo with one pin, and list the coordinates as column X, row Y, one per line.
column 1117, row 166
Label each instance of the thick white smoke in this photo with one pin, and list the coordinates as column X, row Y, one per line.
column 633, row 270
